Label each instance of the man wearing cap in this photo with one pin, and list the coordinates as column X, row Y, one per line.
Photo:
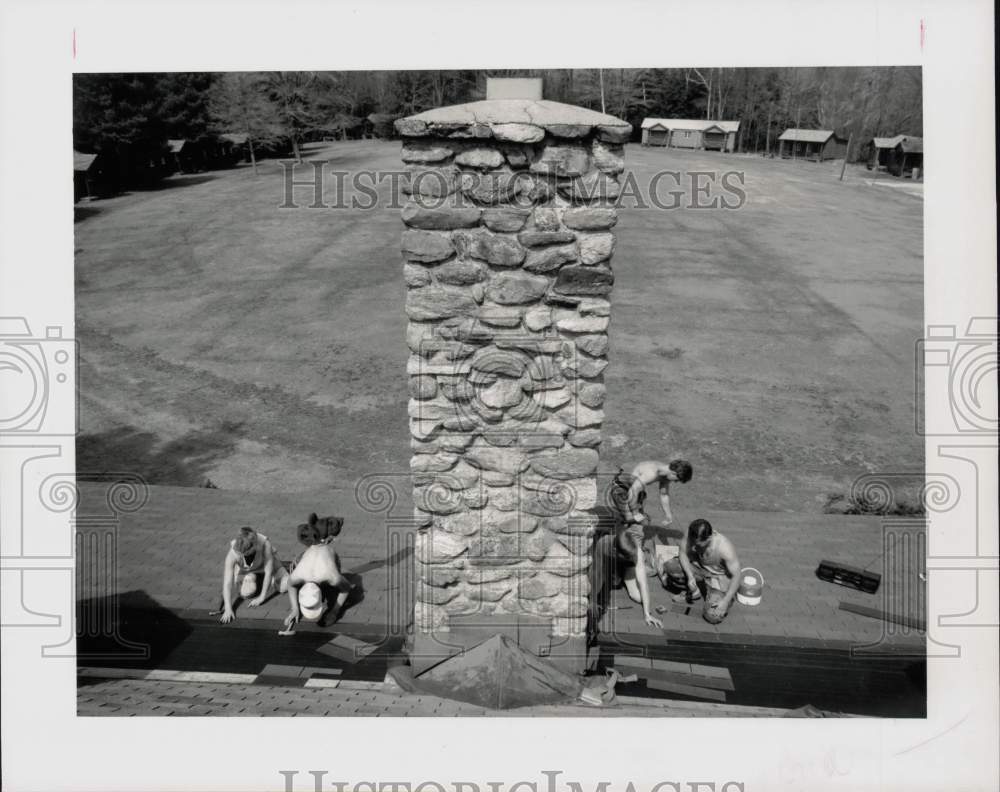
column 252, row 564
column 318, row 568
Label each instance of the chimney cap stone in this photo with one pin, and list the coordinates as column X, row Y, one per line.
column 512, row 119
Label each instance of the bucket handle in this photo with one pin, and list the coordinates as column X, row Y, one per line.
column 753, row 569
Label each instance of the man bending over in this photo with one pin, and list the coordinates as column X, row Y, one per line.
column 626, row 546
column 661, row 473
column 316, row 572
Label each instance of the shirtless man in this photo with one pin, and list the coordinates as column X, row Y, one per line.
column 629, row 531
column 317, row 568
column 252, row 564
column 662, row 473
column 707, row 565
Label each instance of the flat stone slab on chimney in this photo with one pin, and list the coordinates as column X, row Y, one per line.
column 514, row 120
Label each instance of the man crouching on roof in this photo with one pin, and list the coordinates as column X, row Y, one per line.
column 253, row 565
column 315, row 573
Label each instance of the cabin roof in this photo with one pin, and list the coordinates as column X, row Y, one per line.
column 807, row 135
column 887, row 142
column 692, row 124
column 81, row 161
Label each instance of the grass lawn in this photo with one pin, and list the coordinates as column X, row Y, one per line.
column 263, row 348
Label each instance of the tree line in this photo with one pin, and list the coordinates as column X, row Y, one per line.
column 131, row 116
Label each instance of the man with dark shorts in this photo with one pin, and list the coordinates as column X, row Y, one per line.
column 622, row 542
column 663, row 474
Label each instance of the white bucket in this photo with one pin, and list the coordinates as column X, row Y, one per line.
column 751, row 588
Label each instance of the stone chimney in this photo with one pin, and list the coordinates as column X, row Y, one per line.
column 507, row 250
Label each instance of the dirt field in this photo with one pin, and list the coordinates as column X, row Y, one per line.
column 263, row 348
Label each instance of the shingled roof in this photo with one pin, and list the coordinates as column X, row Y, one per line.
column 81, row 161
column 807, row 135
column 886, row 142
column 692, row 124
column 909, row 144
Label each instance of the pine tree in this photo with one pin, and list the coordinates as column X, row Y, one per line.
column 295, row 96
column 239, row 102
column 184, row 104
column 118, row 115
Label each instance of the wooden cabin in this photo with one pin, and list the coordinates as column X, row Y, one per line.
column 909, row 158
column 344, row 127
column 900, row 155
column 704, row 135
column 811, row 144
column 381, row 125
column 880, row 152
column 234, row 147
column 187, row 156
column 89, row 178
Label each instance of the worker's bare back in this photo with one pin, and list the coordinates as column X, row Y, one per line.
column 650, row 471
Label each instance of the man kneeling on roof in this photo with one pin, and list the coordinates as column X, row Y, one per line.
column 252, row 565
column 707, row 566
column 316, row 574
column 625, row 552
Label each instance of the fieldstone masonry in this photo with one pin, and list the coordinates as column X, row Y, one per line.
column 507, row 250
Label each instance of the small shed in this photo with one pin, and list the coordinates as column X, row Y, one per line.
column 690, row 133
column 188, row 156
column 344, row 127
column 909, row 157
column 899, row 155
column 381, row 125
column 812, row 144
column 233, row 147
column 89, row 179
column 880, row 151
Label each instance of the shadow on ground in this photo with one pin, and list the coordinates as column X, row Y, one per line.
column 400, row 555
column 172, row 183
column 181, row 462
column 132, row 630
column 81, row 213
column 127, row 629
column 843, row 681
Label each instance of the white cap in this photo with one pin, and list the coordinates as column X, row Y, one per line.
column 311, row 601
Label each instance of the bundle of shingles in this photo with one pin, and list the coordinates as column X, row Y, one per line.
column 692, row 680
column 347, row 649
